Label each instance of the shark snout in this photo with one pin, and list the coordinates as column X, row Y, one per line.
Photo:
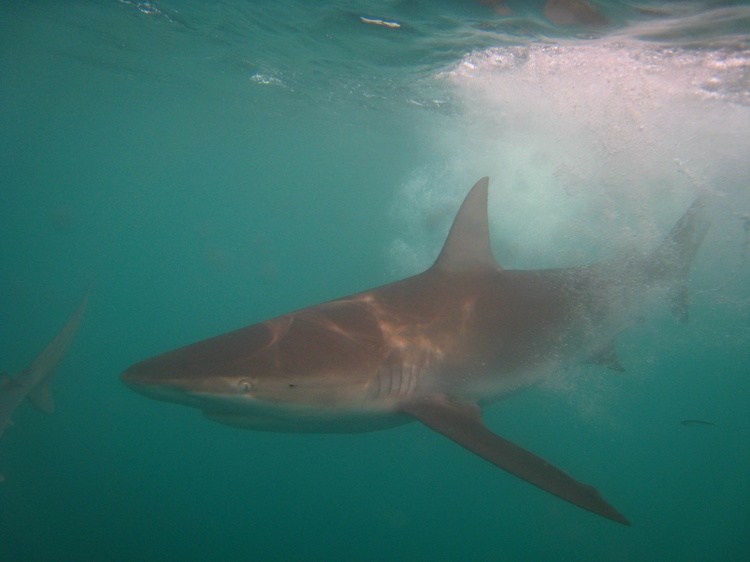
column 162, row 378
column 144, row 375
column 158, row 388
column 134, row 377
column 153, row 380
column 162, row 370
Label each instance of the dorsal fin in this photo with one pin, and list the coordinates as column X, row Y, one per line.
column 467, row 247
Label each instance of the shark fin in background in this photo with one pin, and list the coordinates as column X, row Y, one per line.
column 33, row 382
column 672, row 260
column 44, row 366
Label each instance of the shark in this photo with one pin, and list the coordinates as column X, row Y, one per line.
column 33, row 383
column 435, row 348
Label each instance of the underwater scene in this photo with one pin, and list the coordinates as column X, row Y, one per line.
column 174, row 172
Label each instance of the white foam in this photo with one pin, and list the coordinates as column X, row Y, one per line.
column 590, row 148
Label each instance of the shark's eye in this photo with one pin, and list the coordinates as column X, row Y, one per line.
column 245, row 385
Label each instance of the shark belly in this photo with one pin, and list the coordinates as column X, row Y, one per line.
column 311, row 421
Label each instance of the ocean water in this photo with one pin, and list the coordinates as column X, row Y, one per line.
column 207, row 165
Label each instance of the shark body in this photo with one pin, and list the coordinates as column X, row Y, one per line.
column 434, row 347
column 34, row 381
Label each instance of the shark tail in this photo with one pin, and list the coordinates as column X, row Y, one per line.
column 672, row 260
column 44, row 366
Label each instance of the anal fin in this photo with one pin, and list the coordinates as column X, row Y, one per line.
column 461, row 422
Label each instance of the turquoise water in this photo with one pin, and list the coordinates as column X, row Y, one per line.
column 208, row 165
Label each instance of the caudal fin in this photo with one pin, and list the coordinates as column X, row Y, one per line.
column 42, row 368
column 672, row 260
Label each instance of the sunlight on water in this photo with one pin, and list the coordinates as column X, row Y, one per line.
column 599, row 144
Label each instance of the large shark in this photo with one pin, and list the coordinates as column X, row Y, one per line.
column 34, row 381
column 434, row 347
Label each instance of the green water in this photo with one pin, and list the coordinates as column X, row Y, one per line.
column 210, row 165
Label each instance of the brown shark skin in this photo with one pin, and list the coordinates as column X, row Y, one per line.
column 392, row 341
column 432, row 347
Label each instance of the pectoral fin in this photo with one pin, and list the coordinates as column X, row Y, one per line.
column 461, row 422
